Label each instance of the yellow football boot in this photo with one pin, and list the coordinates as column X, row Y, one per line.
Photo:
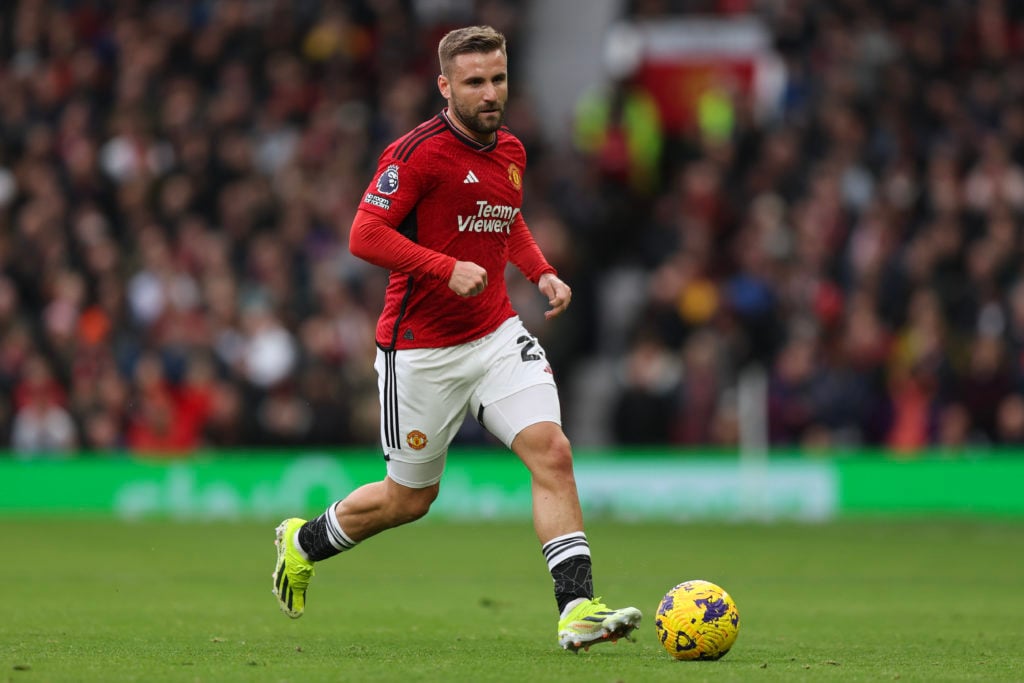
column 592, row 622
column 292, row 571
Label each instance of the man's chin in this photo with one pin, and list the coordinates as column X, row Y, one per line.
column 488, row 123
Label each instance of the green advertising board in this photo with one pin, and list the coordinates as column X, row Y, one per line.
column 494, row 485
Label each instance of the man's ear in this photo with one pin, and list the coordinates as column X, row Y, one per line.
column 444, row 86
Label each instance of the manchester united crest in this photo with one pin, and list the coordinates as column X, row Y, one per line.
column 416, row 440
column 515, row 176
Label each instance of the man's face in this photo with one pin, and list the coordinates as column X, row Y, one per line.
column 477, row 89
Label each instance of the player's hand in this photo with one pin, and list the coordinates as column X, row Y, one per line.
column 558, row 293
column 468, row 279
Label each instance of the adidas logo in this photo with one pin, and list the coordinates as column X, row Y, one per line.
column 471, row 178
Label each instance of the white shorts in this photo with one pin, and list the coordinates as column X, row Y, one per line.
column 503, row 379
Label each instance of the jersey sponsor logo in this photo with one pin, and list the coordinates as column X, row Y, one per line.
column 489, row 218
column 374, row 200
column 471, row 178
column 416, row 439
column 515, row 176
column 387, row 183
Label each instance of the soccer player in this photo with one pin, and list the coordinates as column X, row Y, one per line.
column 443, row 215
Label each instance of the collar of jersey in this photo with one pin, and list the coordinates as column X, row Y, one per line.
column 465, row 139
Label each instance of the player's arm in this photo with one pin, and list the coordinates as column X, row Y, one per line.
column 374, row 240
column 527, row 257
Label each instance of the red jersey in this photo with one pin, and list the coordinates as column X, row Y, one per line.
column 461, row 200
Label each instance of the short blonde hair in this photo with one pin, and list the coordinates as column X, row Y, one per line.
column 471, row 39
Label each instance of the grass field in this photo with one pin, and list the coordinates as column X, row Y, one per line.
column 852, row 601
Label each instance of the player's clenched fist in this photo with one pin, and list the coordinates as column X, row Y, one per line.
column 468, row 279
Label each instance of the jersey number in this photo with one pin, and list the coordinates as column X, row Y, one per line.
column 527, row 343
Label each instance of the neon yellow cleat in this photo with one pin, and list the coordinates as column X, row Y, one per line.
column 292, row 571
column 591, row 622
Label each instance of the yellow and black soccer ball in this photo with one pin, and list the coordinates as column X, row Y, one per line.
column 697, row 620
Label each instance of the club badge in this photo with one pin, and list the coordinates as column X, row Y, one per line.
column 515, row 177
column 416, row 439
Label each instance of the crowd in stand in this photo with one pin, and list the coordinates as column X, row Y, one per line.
column 864, row 247
column 177, row 181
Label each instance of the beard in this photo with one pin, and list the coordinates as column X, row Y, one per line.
column 476, row 121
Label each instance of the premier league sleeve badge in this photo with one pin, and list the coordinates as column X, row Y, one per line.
column 387, row 183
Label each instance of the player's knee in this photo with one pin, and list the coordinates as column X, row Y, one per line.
column 413, row 504
column 551, row 452
column 560, row 454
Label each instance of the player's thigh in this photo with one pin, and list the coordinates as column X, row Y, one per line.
column 518, row 387
column 508, row 417
column 424, row 394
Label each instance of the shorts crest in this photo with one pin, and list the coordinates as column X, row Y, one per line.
column 416, row 439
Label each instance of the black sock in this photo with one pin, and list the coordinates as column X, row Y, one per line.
column 568, row 560
column 322, row 537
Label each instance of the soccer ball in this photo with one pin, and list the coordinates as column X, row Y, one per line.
column 697, row 620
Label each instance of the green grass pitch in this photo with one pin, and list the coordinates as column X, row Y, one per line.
column 876, row 600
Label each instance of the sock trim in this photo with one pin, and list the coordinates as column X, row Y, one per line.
column 561, row 548
column 338, row 538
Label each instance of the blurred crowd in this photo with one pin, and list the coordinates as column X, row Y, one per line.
column 862, row 247
column 177, row 181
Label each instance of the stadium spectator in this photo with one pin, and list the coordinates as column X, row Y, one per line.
column 42, row 425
